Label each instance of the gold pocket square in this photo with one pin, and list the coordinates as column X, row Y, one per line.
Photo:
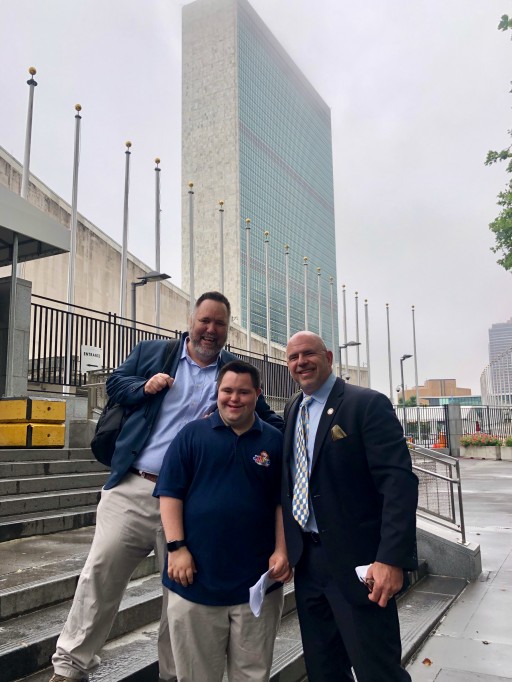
column 337, row 432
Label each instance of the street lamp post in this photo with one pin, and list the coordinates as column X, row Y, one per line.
column 344, row 346
column 148, row 277
column 404, row 357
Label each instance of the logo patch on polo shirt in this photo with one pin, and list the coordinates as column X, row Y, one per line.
column 262, row 459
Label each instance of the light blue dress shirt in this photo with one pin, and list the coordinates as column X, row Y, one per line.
column 192, row 396
column 316, row 407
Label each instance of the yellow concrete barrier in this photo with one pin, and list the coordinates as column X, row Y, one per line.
column 25, row 410
column 32, row 435
column 32, row 423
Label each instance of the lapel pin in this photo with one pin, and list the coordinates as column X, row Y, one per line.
column 330, row 411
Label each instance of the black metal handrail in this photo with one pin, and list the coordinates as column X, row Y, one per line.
column 439, row 478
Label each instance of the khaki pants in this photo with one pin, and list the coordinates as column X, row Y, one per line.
column 205, row 637
column 128, row 528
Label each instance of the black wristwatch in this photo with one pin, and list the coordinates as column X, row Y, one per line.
column 176, row 544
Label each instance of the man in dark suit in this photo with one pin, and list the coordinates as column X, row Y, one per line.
column 349, row 500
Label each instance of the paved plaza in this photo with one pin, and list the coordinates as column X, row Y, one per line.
column 473, row 643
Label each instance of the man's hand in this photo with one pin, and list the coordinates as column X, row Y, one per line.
column 157, row 383
column 281, row 570
column 385, row 581
column 181, row 567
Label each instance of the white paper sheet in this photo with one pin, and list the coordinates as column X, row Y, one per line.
column 257, row 592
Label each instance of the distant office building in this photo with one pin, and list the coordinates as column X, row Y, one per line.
column 500, row 339
column 257, row 136
column 496, row 380
column 441, row 392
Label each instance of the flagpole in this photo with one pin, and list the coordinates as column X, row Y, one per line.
column 221, row 246
column 305, row 259
column 72, row 252
column 367, row 340
column 157, row 240
column 248, row 279
column 267, row 293
column 331, row 284
column 357, row 342
column 20, row 267
column 287, row 277
column 191, row 246
column 28, row 134
column 319, row 287
column 124, row 253
column 391, row 397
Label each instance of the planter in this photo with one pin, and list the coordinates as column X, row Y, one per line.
column 506, row 453
column 481, row 452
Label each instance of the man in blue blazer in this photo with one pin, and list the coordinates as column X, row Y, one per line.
column 128, row 525
column 349, row 500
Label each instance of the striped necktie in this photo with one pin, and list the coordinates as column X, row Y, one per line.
column 300, row 502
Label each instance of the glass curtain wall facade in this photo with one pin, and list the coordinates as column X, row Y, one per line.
column 286, row 186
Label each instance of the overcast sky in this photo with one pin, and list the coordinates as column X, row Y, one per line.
column 418, row 92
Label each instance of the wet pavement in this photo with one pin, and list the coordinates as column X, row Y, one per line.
column 473, row 643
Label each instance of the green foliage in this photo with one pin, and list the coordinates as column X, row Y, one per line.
column 508, row 442
column 479, row 439
column 502, row 225
column 410, row 402
column 505, row 23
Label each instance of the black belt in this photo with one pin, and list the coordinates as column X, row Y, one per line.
column 144, row 474
column 312, row 536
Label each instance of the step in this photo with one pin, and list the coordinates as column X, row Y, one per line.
column 44, row 455
column 41, row 586
column 133, row 657
column 49, row 468
column 421, row 608
column 46, row 522
column 11, row 505
column 40, row 484
column 28, row 641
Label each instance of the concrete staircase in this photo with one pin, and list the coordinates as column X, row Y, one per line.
column 47, row 511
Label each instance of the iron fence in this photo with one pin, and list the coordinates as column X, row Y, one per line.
column 496, row 421
column 58, row 333
column 427, row 426
column 439, row 492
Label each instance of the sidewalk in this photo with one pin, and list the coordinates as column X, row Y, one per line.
column 474, row 641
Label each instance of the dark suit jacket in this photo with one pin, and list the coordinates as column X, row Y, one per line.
column 126, row 387
column 362, row 488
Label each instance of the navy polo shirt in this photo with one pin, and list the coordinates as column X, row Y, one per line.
column 230, row 487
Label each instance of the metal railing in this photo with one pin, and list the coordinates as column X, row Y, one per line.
column 439, row 492
column 57, row 333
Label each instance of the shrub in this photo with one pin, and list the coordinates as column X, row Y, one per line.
column 479, row 440
column 508, row 442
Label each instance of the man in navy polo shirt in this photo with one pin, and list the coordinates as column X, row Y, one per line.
column 219, row 490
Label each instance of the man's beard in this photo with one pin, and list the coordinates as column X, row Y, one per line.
column 208, row 353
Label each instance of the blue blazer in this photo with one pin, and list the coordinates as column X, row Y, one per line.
column 126, row 387
column 362, row 487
